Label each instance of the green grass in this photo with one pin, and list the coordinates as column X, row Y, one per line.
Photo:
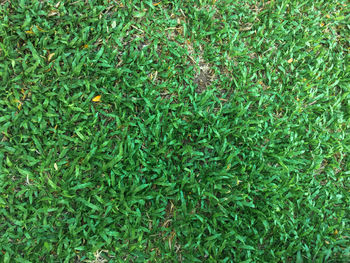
column 221, row 134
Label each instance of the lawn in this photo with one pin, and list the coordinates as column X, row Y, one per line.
column 174, row 131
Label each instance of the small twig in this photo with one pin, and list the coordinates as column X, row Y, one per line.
column 28, row 182
column 192, row 59
column 138, row 29
column 119, row 63
column 182, row 12
column 312, row 103
column 170, row 28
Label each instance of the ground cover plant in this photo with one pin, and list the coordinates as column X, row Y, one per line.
column 174, row 131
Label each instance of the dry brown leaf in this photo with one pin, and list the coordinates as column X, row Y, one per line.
column 53, row 13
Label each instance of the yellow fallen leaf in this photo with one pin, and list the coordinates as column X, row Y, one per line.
column 97, row 98
column 155, row 4
column 55, row 166
column 30, row 31
column 336, row 232
column 19, row 105
column 49, row 57
column 85, row 46
column 322, row 24
column 328, row 16
column 40, row 29
column 290, row 60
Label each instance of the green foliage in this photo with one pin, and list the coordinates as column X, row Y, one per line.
column 221, row 133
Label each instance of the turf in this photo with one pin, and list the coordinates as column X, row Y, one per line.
column 174, row 131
